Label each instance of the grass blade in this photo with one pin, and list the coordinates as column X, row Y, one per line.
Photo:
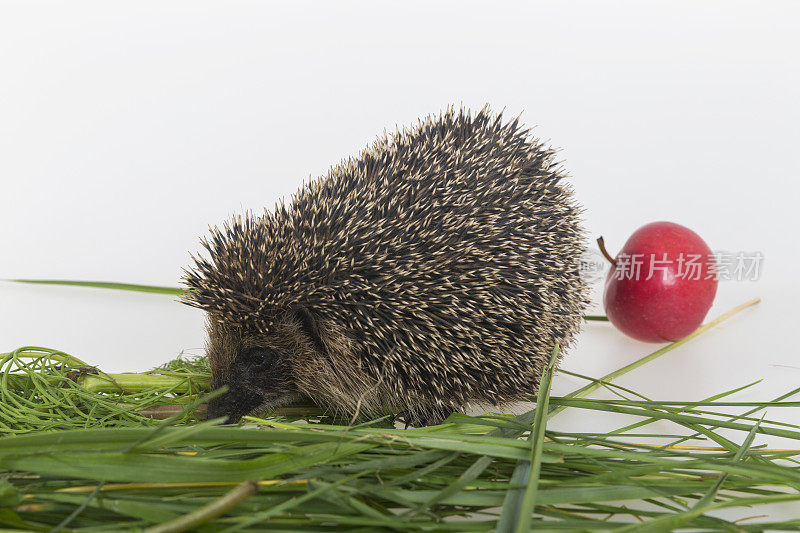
column 520, row 503
column 583, row 391
column 156, row 289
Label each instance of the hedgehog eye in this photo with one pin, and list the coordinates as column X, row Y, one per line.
column 257, row 357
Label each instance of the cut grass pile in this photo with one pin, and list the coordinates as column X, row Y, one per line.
column 43, row 389
column 83, row 452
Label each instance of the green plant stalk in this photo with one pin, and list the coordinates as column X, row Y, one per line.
column 133, row 382
column 78, row 510
column 208, row 512
column 38, row 352
column 260, row 517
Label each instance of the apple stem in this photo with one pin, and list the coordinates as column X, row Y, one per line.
column 602, row 246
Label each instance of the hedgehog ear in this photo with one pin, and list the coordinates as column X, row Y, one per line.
column 310, row 326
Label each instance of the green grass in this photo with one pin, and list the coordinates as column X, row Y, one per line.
column 85, row 451
column 458, row 476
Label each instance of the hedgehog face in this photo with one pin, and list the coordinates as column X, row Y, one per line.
column 255, row 370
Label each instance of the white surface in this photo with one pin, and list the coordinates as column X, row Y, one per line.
column 127, row 128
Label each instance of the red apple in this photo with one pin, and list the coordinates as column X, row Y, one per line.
column 661, row 284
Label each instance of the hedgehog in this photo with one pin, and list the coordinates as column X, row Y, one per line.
column 432, row 273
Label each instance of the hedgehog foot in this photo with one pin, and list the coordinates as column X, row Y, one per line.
column 422, row 416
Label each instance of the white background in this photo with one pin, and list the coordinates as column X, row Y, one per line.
column 127, row 128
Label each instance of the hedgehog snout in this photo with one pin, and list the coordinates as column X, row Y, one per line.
column 233, row 405
column 257, row 377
